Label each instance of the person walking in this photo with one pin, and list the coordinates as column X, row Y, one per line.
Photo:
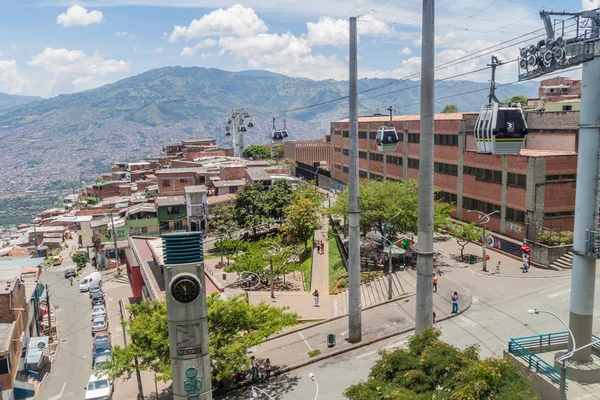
column 322, row 247
column 434, row 283
column 254, row 369
column 454, row 303
column 434, row 324
column 268, row 368
column 498, row 267
column 316, row 297
column 71, row 280
column 525, row 263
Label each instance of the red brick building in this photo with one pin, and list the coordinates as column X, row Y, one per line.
column 532, row 190
column 308, row 152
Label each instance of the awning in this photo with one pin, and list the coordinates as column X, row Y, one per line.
column 23, row 390
column 394, row 250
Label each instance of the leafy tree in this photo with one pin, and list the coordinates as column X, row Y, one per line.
column 251, row 206
column 464, row 234
column 279, row 197
column 449, row 108
column 222, row 219
column 80, row 258
column 302, row 219
column 257, row 258
column 230, row 246
column 257, row 152
column 431, row 369
column 234, row 326
column 150, row 194
column 277, row 150
column 518, row 98
column 389, row 204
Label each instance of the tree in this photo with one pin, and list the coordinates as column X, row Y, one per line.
column 234, row 326
column 257, row 152
column 257, row 258
column 449, row 108
column 464, row 234
column 279, row 197
column 431, row 369
column 80, row 258
column 302, row 219
column 389, row 204
column 222, row 219
column 251, row 206
column 277, row 150
column 518, row 98
column 230, row 246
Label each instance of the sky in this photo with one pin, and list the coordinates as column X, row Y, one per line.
column 52, row 47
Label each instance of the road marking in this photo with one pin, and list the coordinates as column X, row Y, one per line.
column 388, row 347
column 468, row 321
column 559, row 293
column 302, row 336
column 343, row 333
column 367, row 354
column 554, row 288
column 58, row 396
column 393, row 345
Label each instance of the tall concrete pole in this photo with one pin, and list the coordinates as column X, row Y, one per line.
column 583, row 277
column 234, row 140
column 424, row 306
column 354, row 306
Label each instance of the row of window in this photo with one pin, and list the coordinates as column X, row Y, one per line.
column 487, row 175
column 376, row 177
column 443, row 168
column 560, row 214
column 565, row 177
column 517, row 180
column 413, row 163
column 394, row 160
column 362, row 174
column 414, row 138
column 445, row 140
column 446, row 197
column 478, row 205
column 515, row 215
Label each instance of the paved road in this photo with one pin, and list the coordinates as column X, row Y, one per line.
column 498, row 312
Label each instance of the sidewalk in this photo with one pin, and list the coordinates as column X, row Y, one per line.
column 289, row 351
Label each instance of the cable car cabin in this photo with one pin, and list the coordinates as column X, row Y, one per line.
column 500, row 129
column 250, row 124
column 386, row 139
column 277, row 136
column 242, row 129
column 227, row 133
column 284, row 133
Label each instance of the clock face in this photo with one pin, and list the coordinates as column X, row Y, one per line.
column 185, row 289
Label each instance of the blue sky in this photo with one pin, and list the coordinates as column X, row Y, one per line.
column 52, row 47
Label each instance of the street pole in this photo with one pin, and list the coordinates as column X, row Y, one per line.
column 37, row 253
column 272, row 283
column 234, row 140
column 424, row 300
column 115, row 241
column 563, row 381
column 50, row 336
column 221, row 249
column 583, row 277
column 354, row 306
column 483, row 247
column 390, row 274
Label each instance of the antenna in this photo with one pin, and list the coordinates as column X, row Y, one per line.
column 391, row 110
column 492, row 95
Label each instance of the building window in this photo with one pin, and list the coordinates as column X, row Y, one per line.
column 413, row 138
column 400, row 136
column 233, row 189
column 445, row 140
column 166, row 183
column 346, row 170
column 413, row 163
column 202, row 179
column 517, row 180
column 486, row 175
column 478, row 205
column 447, row 169
column 362, row 135
column 178, row 225
column 560, row 214
column 394, row 160
column 338, row 149
column 346, row 152
column 173, row 210
column 338, row 166
column 372, row 135
column 565, row 177
column 376, row 157
column 446, row 197
column 346, row 134
column 376, row 177
column 515, row 215
column 362, row 154
column 183, row 180
column 362, row 174
column 567, row 108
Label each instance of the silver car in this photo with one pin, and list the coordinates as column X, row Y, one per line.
column 99, row 324
column 98, row 311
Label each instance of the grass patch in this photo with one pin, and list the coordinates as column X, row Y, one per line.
column 342, row 282
column 313, row 353
column 305, row 265
column 336, row 265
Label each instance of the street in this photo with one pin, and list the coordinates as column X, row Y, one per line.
column 498, row 312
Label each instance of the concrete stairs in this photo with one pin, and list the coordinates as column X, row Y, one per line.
column 372, row 293
column 564, row 262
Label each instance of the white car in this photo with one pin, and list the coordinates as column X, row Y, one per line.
column 98, row 311
column 99, row 388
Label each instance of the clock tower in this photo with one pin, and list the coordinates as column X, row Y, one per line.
column 186, row 311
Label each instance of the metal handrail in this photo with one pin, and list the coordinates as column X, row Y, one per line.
column 534, row 362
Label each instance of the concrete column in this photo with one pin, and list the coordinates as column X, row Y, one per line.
column 462, row 140
column 504, row 193
column 405, row 152
column 535, row 193
column 581, row 316
column 368, row 149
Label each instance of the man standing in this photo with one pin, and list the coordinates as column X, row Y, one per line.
column 435, row 278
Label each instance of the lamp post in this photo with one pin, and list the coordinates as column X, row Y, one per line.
column 274, row 250
column 483, row 220
column 390, row 268
column 255, row 391
column 564, row 357
column 317, row 176
column 314, row 379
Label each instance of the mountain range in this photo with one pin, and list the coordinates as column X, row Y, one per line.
column 74, row 137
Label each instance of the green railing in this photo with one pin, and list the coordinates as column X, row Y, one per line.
column 525, row 348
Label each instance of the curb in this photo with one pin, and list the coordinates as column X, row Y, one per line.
column 345, row 350
column 402, row 296
column 481, row 273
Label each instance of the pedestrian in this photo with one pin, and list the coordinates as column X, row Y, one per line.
column 71, row 280
column 434, row 283
column 268, row 368
column 254, row 369
column 434, row 324
column 322, row 247
column 498, row 267
column 525, row 263
column 454, row 303
column 316, row 297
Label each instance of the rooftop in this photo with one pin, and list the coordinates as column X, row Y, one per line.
column 163, row 201
column 6, row 331
column 546, row 153
column 195, row 189
column 23, row 262
column 231, row 182
column 143, row 207
column 222, row 198
column 193, row 170
column 258, row 174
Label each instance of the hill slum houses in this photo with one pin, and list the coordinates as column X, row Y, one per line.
column 173, row 192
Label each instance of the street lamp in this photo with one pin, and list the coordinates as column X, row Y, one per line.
column 562, row 359
column 255, row 391
column 483, row 220
column 314, row 379
column 274, row 250
column 390, row 269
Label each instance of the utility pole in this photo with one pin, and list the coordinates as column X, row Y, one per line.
column 424, row 306
column 354, row 305
column 115, row 241
column 49, row 314
column 272, row 282
column 37, row 254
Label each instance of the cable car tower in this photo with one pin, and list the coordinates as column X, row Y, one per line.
column 500, row 128
column 236, row 126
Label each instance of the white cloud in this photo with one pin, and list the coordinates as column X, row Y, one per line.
column 159, row 49
column 191, row 51
column 237, row 21
column 589, row 4
column 10, row 79
column 74, row 69
column 447, row 40
column 334, row 32
column 122, row 33
column 406, row 51
column 78, row 15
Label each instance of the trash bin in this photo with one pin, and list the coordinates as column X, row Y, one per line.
column 331, row 340
column 471, row 259
column 224, row 276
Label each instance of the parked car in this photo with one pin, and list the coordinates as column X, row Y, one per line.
column 98, row 311
column 104, row 349
column 93, row 279
column 70, row 272
column 99, row 324
column 101, row 360
column 102, row 336
column 94, row 289
column 98, row 299
column 99, row 387
column 57, row 260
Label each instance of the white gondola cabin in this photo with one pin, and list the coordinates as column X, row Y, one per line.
column 500, row 129
column 277, row 136
column 386, row 139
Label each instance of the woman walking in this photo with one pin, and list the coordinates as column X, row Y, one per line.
column 316, row 297
column 454, row 303
column 268, row 368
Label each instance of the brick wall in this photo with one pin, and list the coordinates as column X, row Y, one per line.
column 184, row 164
column 99, row 211
column 230, row 173
column 177, row 181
